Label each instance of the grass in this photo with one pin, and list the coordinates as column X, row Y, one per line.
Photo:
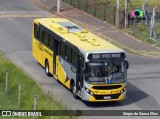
column 143, row 33
column 9, row 101
column 135, row 3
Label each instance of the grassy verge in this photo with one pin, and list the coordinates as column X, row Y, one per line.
column 9, row 100
column 142, row 33
column 89, row 7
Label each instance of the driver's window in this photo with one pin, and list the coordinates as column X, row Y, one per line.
column 112, row 68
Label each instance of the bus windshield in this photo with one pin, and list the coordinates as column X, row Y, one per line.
column 106, row 72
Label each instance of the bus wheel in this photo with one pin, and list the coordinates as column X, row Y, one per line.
column 47, row 68
column 74, row 91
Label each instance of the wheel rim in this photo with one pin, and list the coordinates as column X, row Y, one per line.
column 47, row 68
column 74, row 89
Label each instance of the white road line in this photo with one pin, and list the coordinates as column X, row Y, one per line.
column 24, row 16
column 3, row 8
column 24, row 13
column 27, row 33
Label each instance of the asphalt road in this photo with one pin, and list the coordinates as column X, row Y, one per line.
column 15, row 42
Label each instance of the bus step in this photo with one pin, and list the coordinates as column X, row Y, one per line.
column 78, row 95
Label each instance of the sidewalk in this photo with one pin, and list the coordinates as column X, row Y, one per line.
column 99, row 27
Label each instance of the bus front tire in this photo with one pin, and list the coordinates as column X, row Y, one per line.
column 47, row 68
column 74, row 91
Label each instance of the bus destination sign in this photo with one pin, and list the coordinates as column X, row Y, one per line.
column 106, row 55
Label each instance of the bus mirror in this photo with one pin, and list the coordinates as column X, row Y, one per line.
column 126, row 64
column 84, row 31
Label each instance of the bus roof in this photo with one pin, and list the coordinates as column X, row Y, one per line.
column 81, row 38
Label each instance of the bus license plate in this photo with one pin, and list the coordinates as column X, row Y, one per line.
column 107, row 97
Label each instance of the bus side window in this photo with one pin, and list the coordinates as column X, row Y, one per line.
column 46, row 40
column 40, row 34
column 62, row 50
column 43, row 35
column 68, row 54
column 36, row 31
column 51, row 42
column 81, row 70
column 59, row 48
column 82, row 62
column 71, row 56
column 74, row 58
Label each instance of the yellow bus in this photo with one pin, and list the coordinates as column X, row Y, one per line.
column 92, row 68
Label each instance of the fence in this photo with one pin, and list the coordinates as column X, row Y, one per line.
column 98, row 8
column 142, row 28
column 106, row 11
column 11, row 112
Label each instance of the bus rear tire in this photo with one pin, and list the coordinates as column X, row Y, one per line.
column 47, row 68
column 74, row 91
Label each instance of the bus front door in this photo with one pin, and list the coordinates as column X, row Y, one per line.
column 79, row 77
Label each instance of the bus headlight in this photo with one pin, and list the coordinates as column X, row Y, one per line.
column 89, row 92
column 123, row 90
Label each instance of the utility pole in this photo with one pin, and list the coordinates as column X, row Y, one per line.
column 152, row 29
column 117, row 14
column 144, row 11
column 58, row 5
column 126, row 13
column 135, row 24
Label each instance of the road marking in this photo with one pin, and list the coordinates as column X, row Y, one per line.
column 15, row 22
column 14, row 14
column 21, row 16
column 3, row 8
column 111, row 31
column 5, row 13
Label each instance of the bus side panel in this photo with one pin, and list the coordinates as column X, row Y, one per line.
column 48, row 55
column 65, row 72
column 60, row 72
column 34, row 50
column 39, row 48
column 34, row 43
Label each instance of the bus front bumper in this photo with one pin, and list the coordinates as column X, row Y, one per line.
column 105, row 98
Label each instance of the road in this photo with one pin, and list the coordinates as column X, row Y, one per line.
column 15, row 42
